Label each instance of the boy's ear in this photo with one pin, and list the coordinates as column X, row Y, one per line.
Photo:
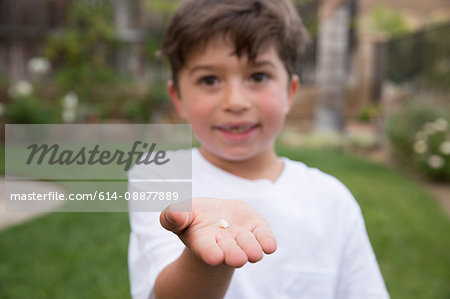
column 294, row 85
column 176, row 99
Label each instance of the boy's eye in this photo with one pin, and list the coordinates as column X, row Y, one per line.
column 209, row 80
column 259, row 77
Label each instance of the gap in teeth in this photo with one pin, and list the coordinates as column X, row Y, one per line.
column 239, row 129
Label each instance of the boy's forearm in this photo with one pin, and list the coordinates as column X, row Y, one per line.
column 190, row 277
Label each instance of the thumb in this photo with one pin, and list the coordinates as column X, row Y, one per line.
column 174, row 221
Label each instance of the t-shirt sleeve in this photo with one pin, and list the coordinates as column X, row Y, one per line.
column 359, row 274
column 151, row 249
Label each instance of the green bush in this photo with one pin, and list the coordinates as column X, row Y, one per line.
column 432, row 149
column 137, row 110
column 403, row 127
column 29, row 110
column 157, row 92
column 85, row 79
column 368, row 113
column 83, row 51
column 388, row 21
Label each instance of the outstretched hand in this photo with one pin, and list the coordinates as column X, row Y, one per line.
column 246, row 239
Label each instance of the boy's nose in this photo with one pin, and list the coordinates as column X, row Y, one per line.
column 235, row 98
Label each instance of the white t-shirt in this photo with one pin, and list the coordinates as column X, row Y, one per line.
column 323, row 249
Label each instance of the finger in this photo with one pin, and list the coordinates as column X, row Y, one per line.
column 248, row 243
column 175, row 221
column 234, row 256
column 265, row 238
column 208, row 250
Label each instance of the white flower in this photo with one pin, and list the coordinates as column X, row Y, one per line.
column 429, row 128
column 70, row 100
column 2, row 109
column 444, row 148
column 420, row 147
column 68, row 115
column 421, row 135
column 440, row 125
column 435, row 161
column 39, row 65
column 20, row 89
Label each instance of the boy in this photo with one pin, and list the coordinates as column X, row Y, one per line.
column 233, row 79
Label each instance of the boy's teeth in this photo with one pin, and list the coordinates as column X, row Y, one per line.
column 238, row 129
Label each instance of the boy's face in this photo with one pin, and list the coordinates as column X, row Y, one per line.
column 236, row 109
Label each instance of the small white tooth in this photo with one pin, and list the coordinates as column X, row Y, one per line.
column 224, row 224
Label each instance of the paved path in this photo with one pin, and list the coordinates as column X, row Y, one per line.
column 11, row 218
column 442, row 192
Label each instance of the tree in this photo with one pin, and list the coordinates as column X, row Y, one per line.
column 334, row 17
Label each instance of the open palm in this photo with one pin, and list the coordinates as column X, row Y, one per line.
column 246, row 239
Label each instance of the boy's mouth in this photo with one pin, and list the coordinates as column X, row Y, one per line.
column 237, row 128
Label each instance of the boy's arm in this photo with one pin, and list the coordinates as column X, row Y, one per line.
column 190, row 277
column 213, row 250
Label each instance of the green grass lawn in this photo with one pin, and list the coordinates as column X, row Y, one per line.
column 409, row 231
column 83, row 255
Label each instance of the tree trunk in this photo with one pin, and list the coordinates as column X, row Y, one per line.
column 16, row 47
column 128, row 61
column 332, row 61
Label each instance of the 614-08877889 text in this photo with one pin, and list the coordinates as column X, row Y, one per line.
column 102, row 195
column 142, row 195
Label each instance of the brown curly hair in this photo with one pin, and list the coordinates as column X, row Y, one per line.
column 251, row 25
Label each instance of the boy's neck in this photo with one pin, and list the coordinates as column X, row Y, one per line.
column 265, row 165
